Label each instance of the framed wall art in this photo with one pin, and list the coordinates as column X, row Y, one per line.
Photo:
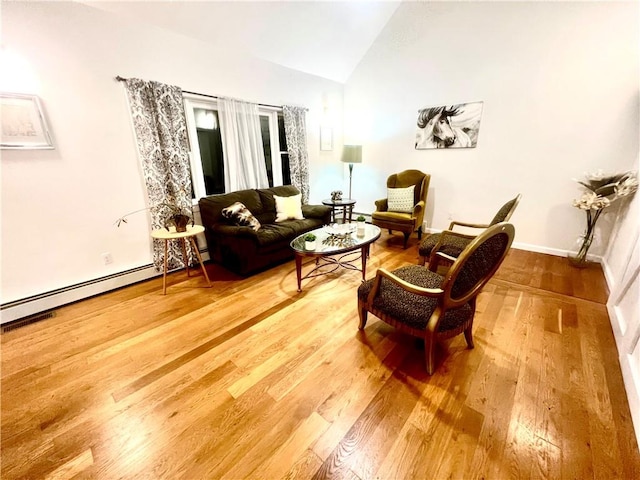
column 449, row 126
column 23, row 123
column 326, row 138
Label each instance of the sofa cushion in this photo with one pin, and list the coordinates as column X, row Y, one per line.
column 238, row 214
column 267, row 200
column 285, row 231
column 211, row 206
column 288, row 208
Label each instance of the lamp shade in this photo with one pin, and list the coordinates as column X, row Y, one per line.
column 352, row 154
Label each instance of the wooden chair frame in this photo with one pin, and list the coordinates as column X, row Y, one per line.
column 436, row 255
column 443, row 295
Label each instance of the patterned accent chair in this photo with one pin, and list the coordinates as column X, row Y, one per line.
column 407, row 223
column 430, row 306
column 450, row 244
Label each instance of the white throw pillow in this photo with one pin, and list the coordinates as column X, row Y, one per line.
column 288, row 208
column 400, row 199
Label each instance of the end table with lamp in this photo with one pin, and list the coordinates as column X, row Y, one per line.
column 166, row 235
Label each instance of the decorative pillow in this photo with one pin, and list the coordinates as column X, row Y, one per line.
column 288, row 208
column 240, row 215
column 400, row 199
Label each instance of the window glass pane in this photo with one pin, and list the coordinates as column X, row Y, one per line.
column 284, row 153
column 282, row 136
column 286, row 173
column 210, row 143
column 266, row 146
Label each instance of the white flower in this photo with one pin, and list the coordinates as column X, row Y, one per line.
column 602, row 189
column 591, row 201
column 595, row 176
column 627, row 186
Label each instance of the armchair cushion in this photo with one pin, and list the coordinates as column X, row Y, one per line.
column 401, row 199
column 452, row 247
column 414, row 310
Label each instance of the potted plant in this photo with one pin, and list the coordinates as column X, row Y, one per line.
column 309, row 241
column 360, row 228
column 173, row 215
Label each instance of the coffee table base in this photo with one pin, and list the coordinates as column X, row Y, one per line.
column 334, row 263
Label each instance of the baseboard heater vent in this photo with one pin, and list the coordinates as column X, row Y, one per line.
column 28, row 321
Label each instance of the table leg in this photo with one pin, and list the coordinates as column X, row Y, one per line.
column 344, row 214
column 299, row 271
column 184, row 254
column 164, row 274
column 195, row 249
column 363, row 255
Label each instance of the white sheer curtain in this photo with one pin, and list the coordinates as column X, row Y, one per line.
column 244, row 165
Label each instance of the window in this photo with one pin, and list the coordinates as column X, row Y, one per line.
column 207, row 165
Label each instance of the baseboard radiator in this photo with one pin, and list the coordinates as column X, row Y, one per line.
column 28, row 310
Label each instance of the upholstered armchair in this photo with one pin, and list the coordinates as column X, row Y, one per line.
column 430, row 306
column 450, row 243
column 395, row 212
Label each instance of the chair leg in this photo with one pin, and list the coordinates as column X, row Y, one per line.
column 468, row 335
column 429, row 354
column 390, row 232
column 363, row 314
column 420, row 232
column 424, row 260
column 406, row 238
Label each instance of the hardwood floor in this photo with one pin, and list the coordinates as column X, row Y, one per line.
column 250, row 379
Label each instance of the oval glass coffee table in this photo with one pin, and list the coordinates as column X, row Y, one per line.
column 337, row 246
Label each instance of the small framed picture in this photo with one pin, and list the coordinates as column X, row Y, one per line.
column 23, row 123
column 326, row 138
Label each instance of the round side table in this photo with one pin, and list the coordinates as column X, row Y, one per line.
column 166, row 235
column 347, row 208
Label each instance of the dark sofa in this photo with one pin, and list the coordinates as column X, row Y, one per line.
column 245, row 251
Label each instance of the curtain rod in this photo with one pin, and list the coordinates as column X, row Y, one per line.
column 122, row 79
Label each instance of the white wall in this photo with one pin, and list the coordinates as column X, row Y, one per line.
column 559, row 82
column 58, row 206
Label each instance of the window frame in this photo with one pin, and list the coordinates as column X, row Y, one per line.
column 191, row 102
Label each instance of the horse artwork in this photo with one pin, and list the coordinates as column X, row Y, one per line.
column 449, row 126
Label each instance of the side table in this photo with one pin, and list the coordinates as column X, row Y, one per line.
column 347, row 208
column 166, row 235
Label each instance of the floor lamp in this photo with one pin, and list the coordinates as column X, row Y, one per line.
column 351, row 154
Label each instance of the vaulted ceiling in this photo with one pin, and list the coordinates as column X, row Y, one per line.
column 323, row 38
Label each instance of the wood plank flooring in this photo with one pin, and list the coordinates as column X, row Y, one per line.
column 250, row 379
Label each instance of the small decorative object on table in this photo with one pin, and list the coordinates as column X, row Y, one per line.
column 601, row 191
column 309, row 241
column 339, row 235
column 336, row 195
column 361, row 221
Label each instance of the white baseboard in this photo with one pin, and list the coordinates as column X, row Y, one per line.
column 536, row 248
column 630, row 374
column 47, row 301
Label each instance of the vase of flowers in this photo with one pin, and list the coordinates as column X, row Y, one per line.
column 601, row 190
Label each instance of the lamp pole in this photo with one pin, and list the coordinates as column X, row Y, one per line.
column 350, row 175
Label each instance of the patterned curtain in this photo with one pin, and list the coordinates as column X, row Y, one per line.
column 161, row 135
column 296, row 134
